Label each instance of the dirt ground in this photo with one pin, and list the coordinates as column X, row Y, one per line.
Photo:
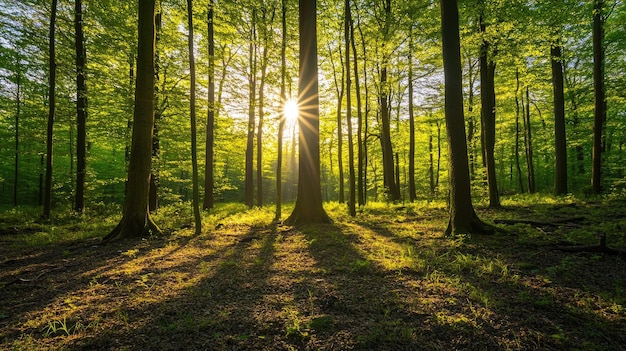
column 386, row 280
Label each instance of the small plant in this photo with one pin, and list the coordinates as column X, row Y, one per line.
column 55, row 327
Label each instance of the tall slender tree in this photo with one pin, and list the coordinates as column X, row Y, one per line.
column 463, row 218
column 52, row 67
column 18, row 115
column 252, row 66
column 412, row 193
column 209, row 182
column 351, row 177
column 308, row 208
column 136, row 220
column 560, row 141
column 192, row 120
column 488, row 114
column 81, row 107
column 599, row 116
column 281, row 113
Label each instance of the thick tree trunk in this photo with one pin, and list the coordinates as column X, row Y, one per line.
column 81, row 107
column 560, row 141
column 308, row 208
column 463, row 218
column 51, row 112
column 209, row 198
column 488, row 116
column 136, row 220
column 599, row 116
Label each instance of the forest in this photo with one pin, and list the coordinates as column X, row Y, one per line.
column 304, row 175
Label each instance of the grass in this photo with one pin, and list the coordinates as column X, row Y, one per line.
column 384, row 280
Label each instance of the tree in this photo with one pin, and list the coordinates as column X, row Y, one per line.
column 281, row 113
column 252, row 63
column 209, row 182
column 51, row 111
column 136, row 220
column 488, row 114
column 393, row 189
column 351, row 180
column 81, row 107
column 308, row 208
column 599, row 116
column 463, row 218
column 560, row 140
column 192, row 120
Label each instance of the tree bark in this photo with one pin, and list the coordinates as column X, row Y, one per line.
column 599, row 116
column 463, row 218
column 192, row 120
column 18, row 113
column 560, row 140
column 249, row 180
column 359, row 132
column 351, row 180
column 81, row 107
column 530, row 168
column 283, row 100
column 259, row 138
column 339, row 88
column 136, row 220
column 392, row 189
column 51, row 111
column 308, row 208
column 209, row 182
column 412, row 193
column 517, row 130
column 488, row 115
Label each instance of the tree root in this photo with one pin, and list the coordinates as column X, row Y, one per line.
column 133, row 229
column 552, row 223
column 600, row 248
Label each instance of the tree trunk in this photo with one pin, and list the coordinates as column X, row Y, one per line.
column 412, row 193
column 259, row 139
column 560, row 141
column 249, row 180
column 463, row 218
column 192, row 120
column 599, row 116
column 488, row 116
column 81, row 107
column 339, row 88
column 51, row 111
column 392, row 189
column 529, row 147
column 281, row 122
column 18, row 113
column 359, row 107
column 352, row 180
column 517, row 129
column 136, row 220
column 209, row 182
column 308, row 208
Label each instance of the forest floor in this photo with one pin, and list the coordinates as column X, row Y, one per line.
column 385, row 280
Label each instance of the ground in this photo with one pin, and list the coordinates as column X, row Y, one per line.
column 385, row 280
